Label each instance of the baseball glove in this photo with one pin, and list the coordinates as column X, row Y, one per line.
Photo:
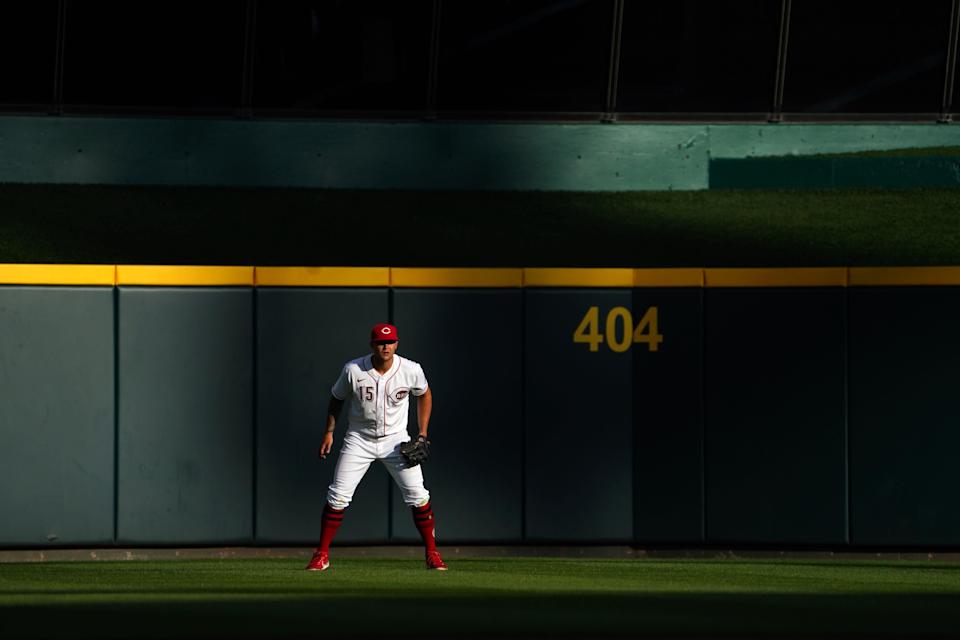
column 415, row 451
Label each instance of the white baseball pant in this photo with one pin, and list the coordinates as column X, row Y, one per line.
column 356, row 455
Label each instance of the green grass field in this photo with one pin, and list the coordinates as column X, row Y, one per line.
column 261, row 598
column 727, row 228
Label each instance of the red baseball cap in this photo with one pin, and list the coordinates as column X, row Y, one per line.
column 384, row 332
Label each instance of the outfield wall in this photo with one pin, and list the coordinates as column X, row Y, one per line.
column 183, row 405
column 467, row 155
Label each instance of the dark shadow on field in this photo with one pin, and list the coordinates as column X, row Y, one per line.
column 302, row 613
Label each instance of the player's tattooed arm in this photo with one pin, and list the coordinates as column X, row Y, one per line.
column 424, row 408
column 333, row 410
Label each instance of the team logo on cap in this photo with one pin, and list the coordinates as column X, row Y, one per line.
column 385, row 331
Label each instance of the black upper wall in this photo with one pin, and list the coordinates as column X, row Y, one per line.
column 581, row 58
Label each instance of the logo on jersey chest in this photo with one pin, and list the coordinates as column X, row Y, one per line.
column 367, row 393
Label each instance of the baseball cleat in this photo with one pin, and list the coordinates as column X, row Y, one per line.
column 319, row 562
column 435, row 562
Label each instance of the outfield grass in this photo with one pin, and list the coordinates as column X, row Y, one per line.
column 192, row 225
column 276, row 598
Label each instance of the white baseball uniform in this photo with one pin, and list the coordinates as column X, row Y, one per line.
column 376, row 427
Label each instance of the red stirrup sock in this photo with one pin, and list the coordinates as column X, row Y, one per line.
column 423, row 519
column 332, row 518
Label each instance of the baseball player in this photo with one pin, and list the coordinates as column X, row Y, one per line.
column 378, row 388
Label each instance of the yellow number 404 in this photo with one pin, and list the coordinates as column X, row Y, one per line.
column 620, row 332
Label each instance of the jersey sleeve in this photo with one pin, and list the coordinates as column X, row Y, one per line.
column 343, row 386
column 419, row 384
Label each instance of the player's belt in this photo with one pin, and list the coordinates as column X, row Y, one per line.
column 374, row 436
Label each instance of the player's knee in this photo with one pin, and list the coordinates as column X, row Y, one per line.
column 337, row 500
column 416, row 498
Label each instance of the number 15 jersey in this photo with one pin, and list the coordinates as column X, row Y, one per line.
column 379, row 404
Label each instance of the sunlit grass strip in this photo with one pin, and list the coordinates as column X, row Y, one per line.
column 588, row 597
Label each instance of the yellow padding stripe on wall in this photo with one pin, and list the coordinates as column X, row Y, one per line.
column 323, row 276
column 578, row 277
column 612, row 277
column 668, row 277
column 166, row 275
column 185, row 276
column 800, row 277
column 904, row 276
column 62, row 274
column 414, row 277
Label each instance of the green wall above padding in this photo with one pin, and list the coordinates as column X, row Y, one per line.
column 325, row 154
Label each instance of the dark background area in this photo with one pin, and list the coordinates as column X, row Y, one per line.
column 567, row 59
column 699, row 56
